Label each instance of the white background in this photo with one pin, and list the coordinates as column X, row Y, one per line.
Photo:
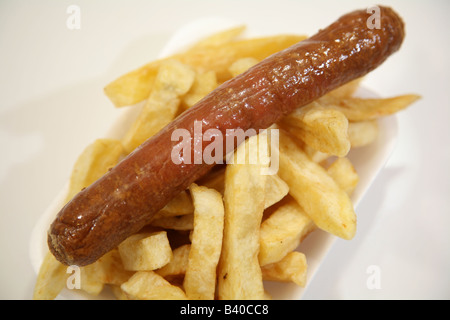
column 52, row 106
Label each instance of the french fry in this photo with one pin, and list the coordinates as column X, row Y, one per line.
column 220, row 38
column 148, row 285
column 93, row 162
column 136, row 85
column 145, row 251
column 114, row 272
column 173, row 80
column 316, row 192
column 325, row 130
column 292, row 268
column 346, row 90
column 118, row 293
column 241, row 65
column 283, row 231
column 276, row 189
column 200, row 278
column 215, row 179
column 362, row 133
column 51, row 279
column 220, row 58
column 345, row 175
column 315, row 155
column 108, row 269
column 360, row 109
column 177, row 266
column 204, row 83
column 91, row 280
column 178, row 206
column 239, row 275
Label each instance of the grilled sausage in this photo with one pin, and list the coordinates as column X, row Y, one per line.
column 125, row 199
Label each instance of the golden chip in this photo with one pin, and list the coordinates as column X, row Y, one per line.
column 242, row 65
column 94, row 161
column 204, row 83
column 145, row 251
column 282, row 232
column 177, row 266
column 292, row 268
column 148, row 285
column 178, row 206
column 51, row 279
column 362, row 133
column 276, row 189
column 345, row 175
column 317, row 193
column 324, row 129
column 346, row 90
column 239, row 271
column 206, row 243
column 172, row 81
column 136, row 85
column 221, row 38
column 361, row 109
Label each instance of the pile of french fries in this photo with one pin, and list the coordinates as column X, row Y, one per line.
column 234, row 229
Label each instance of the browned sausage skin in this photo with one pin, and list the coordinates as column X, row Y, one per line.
column 125, row 199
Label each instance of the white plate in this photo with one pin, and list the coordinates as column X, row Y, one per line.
column 368, row 161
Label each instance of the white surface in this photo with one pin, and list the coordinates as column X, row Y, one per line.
column 403, row 221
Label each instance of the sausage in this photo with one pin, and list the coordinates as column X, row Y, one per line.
column 126, row 198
